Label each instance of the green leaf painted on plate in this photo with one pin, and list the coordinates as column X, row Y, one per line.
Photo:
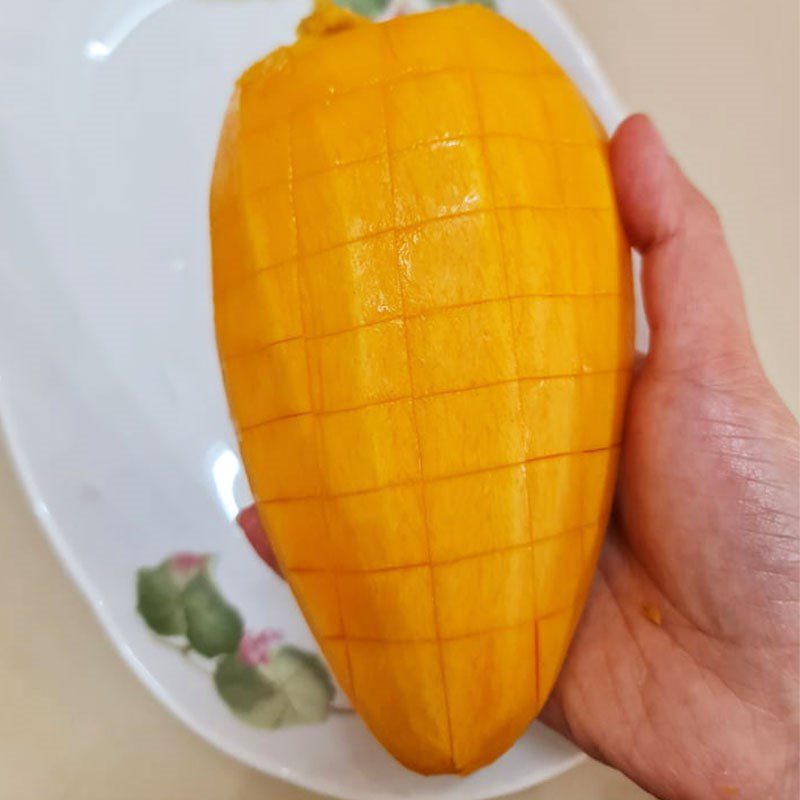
column 213, row 627
column 244, row 689
column 305, row 686
column 294, row 688
column 367, row 8
column 159, row 601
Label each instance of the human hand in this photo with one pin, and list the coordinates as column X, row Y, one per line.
column 684, row 670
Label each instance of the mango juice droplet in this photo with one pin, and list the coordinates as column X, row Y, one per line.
column 424, row 318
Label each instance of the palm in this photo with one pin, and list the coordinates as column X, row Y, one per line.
column 684, row 667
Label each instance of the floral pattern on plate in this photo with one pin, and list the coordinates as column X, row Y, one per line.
column 264, row 682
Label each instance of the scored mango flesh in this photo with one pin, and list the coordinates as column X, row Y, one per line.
column 424, row 318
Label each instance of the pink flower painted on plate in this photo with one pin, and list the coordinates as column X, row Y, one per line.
column 184, row 567
column 254, row 649
column 187, row 562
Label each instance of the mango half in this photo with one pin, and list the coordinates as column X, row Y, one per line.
column 424, row 317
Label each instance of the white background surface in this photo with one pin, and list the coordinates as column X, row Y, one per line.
column 721, row 78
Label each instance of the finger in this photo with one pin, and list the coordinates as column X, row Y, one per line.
column 692, row 293
column 250, row 522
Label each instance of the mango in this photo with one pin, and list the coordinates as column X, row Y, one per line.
column 424, row 317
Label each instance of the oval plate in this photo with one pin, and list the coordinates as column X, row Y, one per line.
column 110, row 395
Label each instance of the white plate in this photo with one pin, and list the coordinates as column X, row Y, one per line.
column 110, row 392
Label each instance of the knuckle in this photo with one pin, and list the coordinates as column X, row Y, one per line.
column 709, row 214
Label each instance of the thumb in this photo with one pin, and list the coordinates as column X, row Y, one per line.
column 692, row 293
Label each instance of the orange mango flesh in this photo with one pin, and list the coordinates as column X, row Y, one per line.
column 424, row 318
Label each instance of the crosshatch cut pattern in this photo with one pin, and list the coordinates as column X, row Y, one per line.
column 424, row 318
